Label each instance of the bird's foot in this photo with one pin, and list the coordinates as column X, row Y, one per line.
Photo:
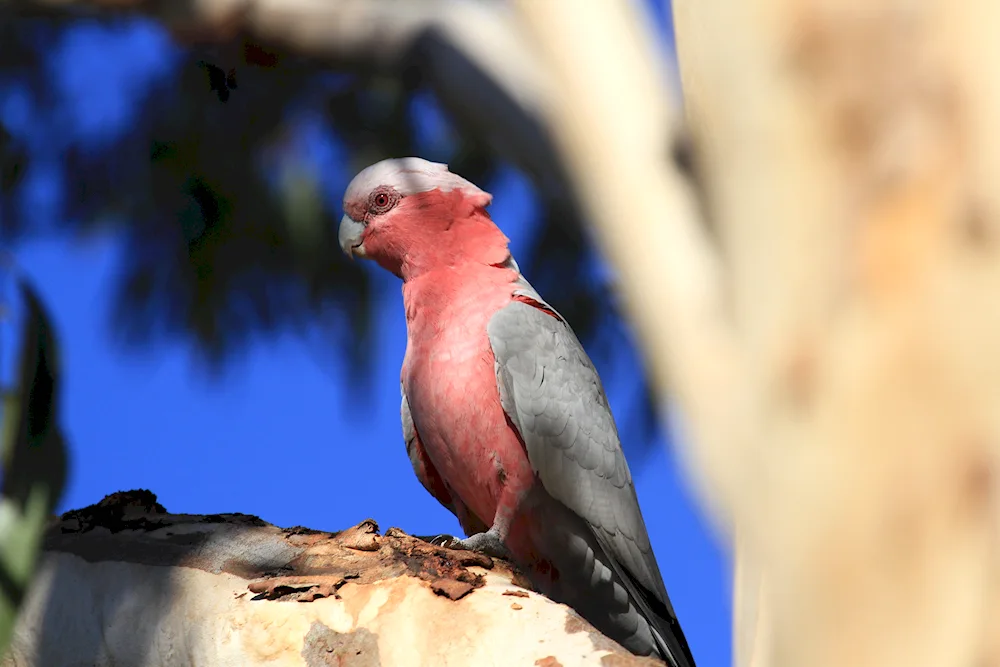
column 441, row 540
column 488, row 543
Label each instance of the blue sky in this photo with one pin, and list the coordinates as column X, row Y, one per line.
column 283, row 433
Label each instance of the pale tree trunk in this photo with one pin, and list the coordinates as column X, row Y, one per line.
column 126, row 583
column 840, row 379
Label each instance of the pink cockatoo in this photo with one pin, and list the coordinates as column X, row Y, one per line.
column 504, row 416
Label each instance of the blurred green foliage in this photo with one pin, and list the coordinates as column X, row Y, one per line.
column 34, row 461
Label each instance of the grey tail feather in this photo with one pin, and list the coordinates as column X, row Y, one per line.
column 665, row 627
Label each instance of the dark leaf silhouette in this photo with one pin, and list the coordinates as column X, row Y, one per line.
column 34, row 460
column 220, row 251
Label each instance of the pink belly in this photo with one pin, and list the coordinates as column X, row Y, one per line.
column 451, row 386
column 456, row 409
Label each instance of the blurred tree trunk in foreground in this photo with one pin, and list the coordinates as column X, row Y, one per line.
column 837, row 362
column 124, row 582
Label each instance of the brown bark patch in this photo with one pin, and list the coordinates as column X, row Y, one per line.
column 280, row 564
column 323, row 647
column 548, row 661
column 617, row 655
column 364, row 555
column 575, row 623
column 133, row 510
column 303, row 589
column 362, row 537
column 451, row 588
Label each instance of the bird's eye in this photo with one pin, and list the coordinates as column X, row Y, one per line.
column 382, row 200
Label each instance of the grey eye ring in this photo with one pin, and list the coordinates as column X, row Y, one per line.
column 382, row 200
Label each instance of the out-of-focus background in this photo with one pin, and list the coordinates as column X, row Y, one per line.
column 175, row 207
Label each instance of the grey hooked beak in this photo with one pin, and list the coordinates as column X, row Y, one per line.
column 349, row 236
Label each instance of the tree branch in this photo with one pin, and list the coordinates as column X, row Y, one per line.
column 615, row 125
column 126, row 583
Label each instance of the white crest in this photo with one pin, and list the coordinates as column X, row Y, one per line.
column 409, row 176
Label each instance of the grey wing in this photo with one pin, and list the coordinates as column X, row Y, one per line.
column 551, row 391
column 409, row 433
column 552, row 394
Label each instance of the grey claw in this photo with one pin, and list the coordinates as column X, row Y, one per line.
column 446, row 541
column 485, row 543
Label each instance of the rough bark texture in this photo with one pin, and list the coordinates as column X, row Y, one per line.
column 126, row 583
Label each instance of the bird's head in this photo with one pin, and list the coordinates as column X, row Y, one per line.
column 412, row 216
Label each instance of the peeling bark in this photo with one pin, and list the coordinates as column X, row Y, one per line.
column 125, row 582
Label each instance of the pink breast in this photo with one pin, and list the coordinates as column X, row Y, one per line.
column 450, row 380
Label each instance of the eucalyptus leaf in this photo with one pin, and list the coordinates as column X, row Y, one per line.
column 34, row 461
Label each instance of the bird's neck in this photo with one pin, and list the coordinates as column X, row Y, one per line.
column 462, row 247
column 466, row 292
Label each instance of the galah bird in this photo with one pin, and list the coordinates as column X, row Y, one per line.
column 504, row 416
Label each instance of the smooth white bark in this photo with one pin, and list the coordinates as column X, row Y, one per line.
column 175, row 590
